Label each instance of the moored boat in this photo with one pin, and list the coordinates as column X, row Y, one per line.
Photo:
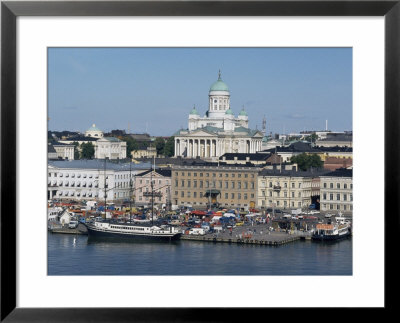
column 331, row 232
column 132, row 231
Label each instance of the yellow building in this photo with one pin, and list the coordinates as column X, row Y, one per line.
column 286, row 189
column 224, row 185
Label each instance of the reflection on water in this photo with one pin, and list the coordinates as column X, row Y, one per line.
column 104, row 257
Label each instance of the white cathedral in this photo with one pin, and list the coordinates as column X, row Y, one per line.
column 219, row 131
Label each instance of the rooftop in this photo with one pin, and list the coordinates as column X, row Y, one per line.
column 97, row 164
column 340, row 172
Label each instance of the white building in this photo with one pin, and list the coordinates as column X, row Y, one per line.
column 109, row 147
column 87, row 179
column 64, row 151
column 95, row 132
column 337, row 191
column 218, row 131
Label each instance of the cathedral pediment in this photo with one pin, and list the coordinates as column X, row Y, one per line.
column 202, row 133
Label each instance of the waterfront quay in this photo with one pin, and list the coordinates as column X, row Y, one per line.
column 81, row 229
column 258, row 235
column 262, row 238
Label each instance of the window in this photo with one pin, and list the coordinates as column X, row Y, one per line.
column 194, row 183
column 176, row 183
column 232, row 195
column 188, row 183
column 338, row 197
column 324, row 185
column 194, row 194
column 182, row 194
column 226, row 195
column 338, row 185
column 331, row 185
column 232, row 184
column 344, row 197
column 324, row 196
column 246, row 184
column 201, row 184
column 188, row 174
column 182, row 183
column 331, row 197
column 239, row 196
column 344, row 185
column 226, row 184
column 293, row 184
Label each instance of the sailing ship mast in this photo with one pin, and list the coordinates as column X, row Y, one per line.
column 152, row 191
column 105, row 189
column 130, row 191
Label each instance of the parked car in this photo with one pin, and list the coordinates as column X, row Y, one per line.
column 73, row 224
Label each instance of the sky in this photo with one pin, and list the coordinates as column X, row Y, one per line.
column 152, row 90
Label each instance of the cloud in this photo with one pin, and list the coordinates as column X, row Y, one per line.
column 295, row 116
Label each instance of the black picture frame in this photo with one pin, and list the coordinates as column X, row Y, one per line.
column 10, row 10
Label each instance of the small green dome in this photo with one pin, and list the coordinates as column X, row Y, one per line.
column 194, row 111
column 219, row 85
column 243, row 113
column 229, row 111
column 93, row 128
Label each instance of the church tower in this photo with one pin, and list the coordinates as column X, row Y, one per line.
column 219, row 99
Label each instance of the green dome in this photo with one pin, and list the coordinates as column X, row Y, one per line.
column 243, row 113
column 93, row 128
column 219, row 85
column 229, row 111
column 194, row 111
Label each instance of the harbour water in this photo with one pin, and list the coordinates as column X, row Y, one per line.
column 80, row 255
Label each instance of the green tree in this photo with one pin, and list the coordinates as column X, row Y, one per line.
column 87, row 150
column 311, row 138
column 76, row 150
column 131, row 145
column 305, row 161
column 160, row 145
column 169, row 148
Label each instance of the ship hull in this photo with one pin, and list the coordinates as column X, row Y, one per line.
column 333, row 237
column 94, row 233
